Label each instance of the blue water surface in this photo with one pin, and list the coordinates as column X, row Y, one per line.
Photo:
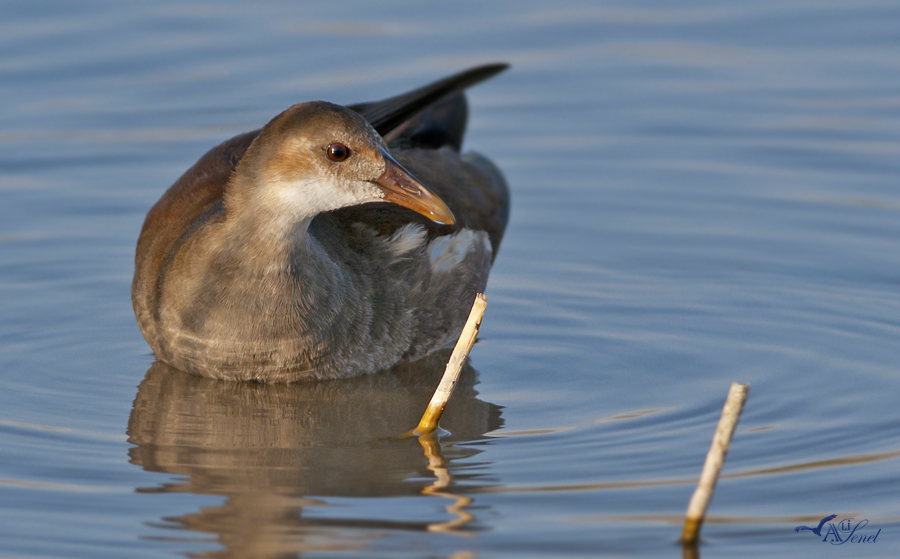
column 702, row 192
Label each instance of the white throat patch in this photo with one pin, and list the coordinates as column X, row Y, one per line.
column 301, row 199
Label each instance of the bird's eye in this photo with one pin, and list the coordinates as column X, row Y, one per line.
column 338, row 152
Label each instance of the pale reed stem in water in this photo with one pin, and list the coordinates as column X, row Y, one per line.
column 715, row 458
column 432, row 416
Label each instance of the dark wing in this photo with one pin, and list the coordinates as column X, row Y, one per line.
column 388, row 114
column 442, row 124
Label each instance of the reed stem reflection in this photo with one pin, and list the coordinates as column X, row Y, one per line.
column 438, row 465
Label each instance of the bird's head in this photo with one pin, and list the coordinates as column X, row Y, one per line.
column 317, row 157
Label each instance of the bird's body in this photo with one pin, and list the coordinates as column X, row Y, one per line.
column 305, row 251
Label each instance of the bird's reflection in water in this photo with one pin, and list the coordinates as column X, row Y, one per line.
column 271, row 450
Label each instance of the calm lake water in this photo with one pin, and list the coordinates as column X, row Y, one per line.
column 703, row 193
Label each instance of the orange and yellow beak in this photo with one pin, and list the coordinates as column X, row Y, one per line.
column 400, row 187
